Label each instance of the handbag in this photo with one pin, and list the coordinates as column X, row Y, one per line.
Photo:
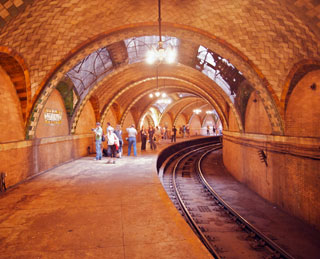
column 103, row 139
column 116, row 141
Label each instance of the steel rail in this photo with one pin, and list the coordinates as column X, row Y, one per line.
column 243, row 222
column 188, row 215
column 178, row 153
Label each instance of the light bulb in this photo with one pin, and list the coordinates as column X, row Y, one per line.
column 170, row 55
column 151, row 56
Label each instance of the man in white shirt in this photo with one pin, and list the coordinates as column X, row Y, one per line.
column 98, row 138
column 132, row 133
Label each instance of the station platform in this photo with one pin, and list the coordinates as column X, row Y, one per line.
column 90, row 209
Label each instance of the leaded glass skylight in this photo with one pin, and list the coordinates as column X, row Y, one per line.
column 137, row 47
column 90, row 70
column 219, row 70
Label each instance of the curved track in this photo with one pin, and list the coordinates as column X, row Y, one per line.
column 221, row 229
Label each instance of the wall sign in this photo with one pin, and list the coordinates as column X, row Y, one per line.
column 52, row 116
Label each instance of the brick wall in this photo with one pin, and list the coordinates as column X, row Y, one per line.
column 256, row 118
column 291, row 179
column 86, row 120
column 302, row 116
column 233, row 125
column 11, row 122
column 21, row 159
column 166, row 121
column 195, row 125
column 47, row 128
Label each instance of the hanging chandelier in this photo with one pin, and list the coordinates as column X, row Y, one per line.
column 158, row 94
column 161, row 54
column 197, row 111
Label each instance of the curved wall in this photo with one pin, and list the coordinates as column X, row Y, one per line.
column 53, row 119
column 11, row 123
column 256, row 118
column 195, row 125
column 289, row 177
column 86, row 120
column 302, row 117
column 22, row 159
column 233, row 125
column 166, row 121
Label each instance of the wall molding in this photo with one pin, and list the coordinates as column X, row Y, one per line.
column 296, row 146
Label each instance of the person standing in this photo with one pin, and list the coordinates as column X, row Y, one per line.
column 184, row 131
column 151, row 133
column 158, row 134
column 98, row 139
column 118, row 132
column 208, row 130
column 113, row 143
column 188, row 130
column 174, row 134
column 109, row 127
column 214, row 130
column 143, row 135
column 132, row 133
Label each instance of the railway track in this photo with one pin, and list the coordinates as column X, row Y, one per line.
column 221, row 229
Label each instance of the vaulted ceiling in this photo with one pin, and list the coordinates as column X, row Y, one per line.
column 264, row 40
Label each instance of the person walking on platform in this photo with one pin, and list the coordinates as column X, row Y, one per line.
column 143, row 135
column 174, row 134
column 98, row 139
column 132, row 133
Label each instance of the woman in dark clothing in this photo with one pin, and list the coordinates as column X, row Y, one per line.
column 151, row 133
column 143, row 135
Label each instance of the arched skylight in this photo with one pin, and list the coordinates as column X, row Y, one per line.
column 90, row 70
column 219, row 70
column 98, row 64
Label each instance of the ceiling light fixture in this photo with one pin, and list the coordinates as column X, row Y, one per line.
column 160, row 54
column 164, row 101
column 197, row 111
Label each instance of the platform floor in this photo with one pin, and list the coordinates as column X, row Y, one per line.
column 90, row 209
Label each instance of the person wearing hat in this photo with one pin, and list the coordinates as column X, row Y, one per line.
column 132, row 133
column 98, row 138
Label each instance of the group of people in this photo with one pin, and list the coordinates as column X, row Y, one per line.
column 213, row 130
column 114, row 140
column 113, row 137
column 154, row 135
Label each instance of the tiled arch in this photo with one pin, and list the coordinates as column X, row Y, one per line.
column 16, row 68
column 244, row 64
